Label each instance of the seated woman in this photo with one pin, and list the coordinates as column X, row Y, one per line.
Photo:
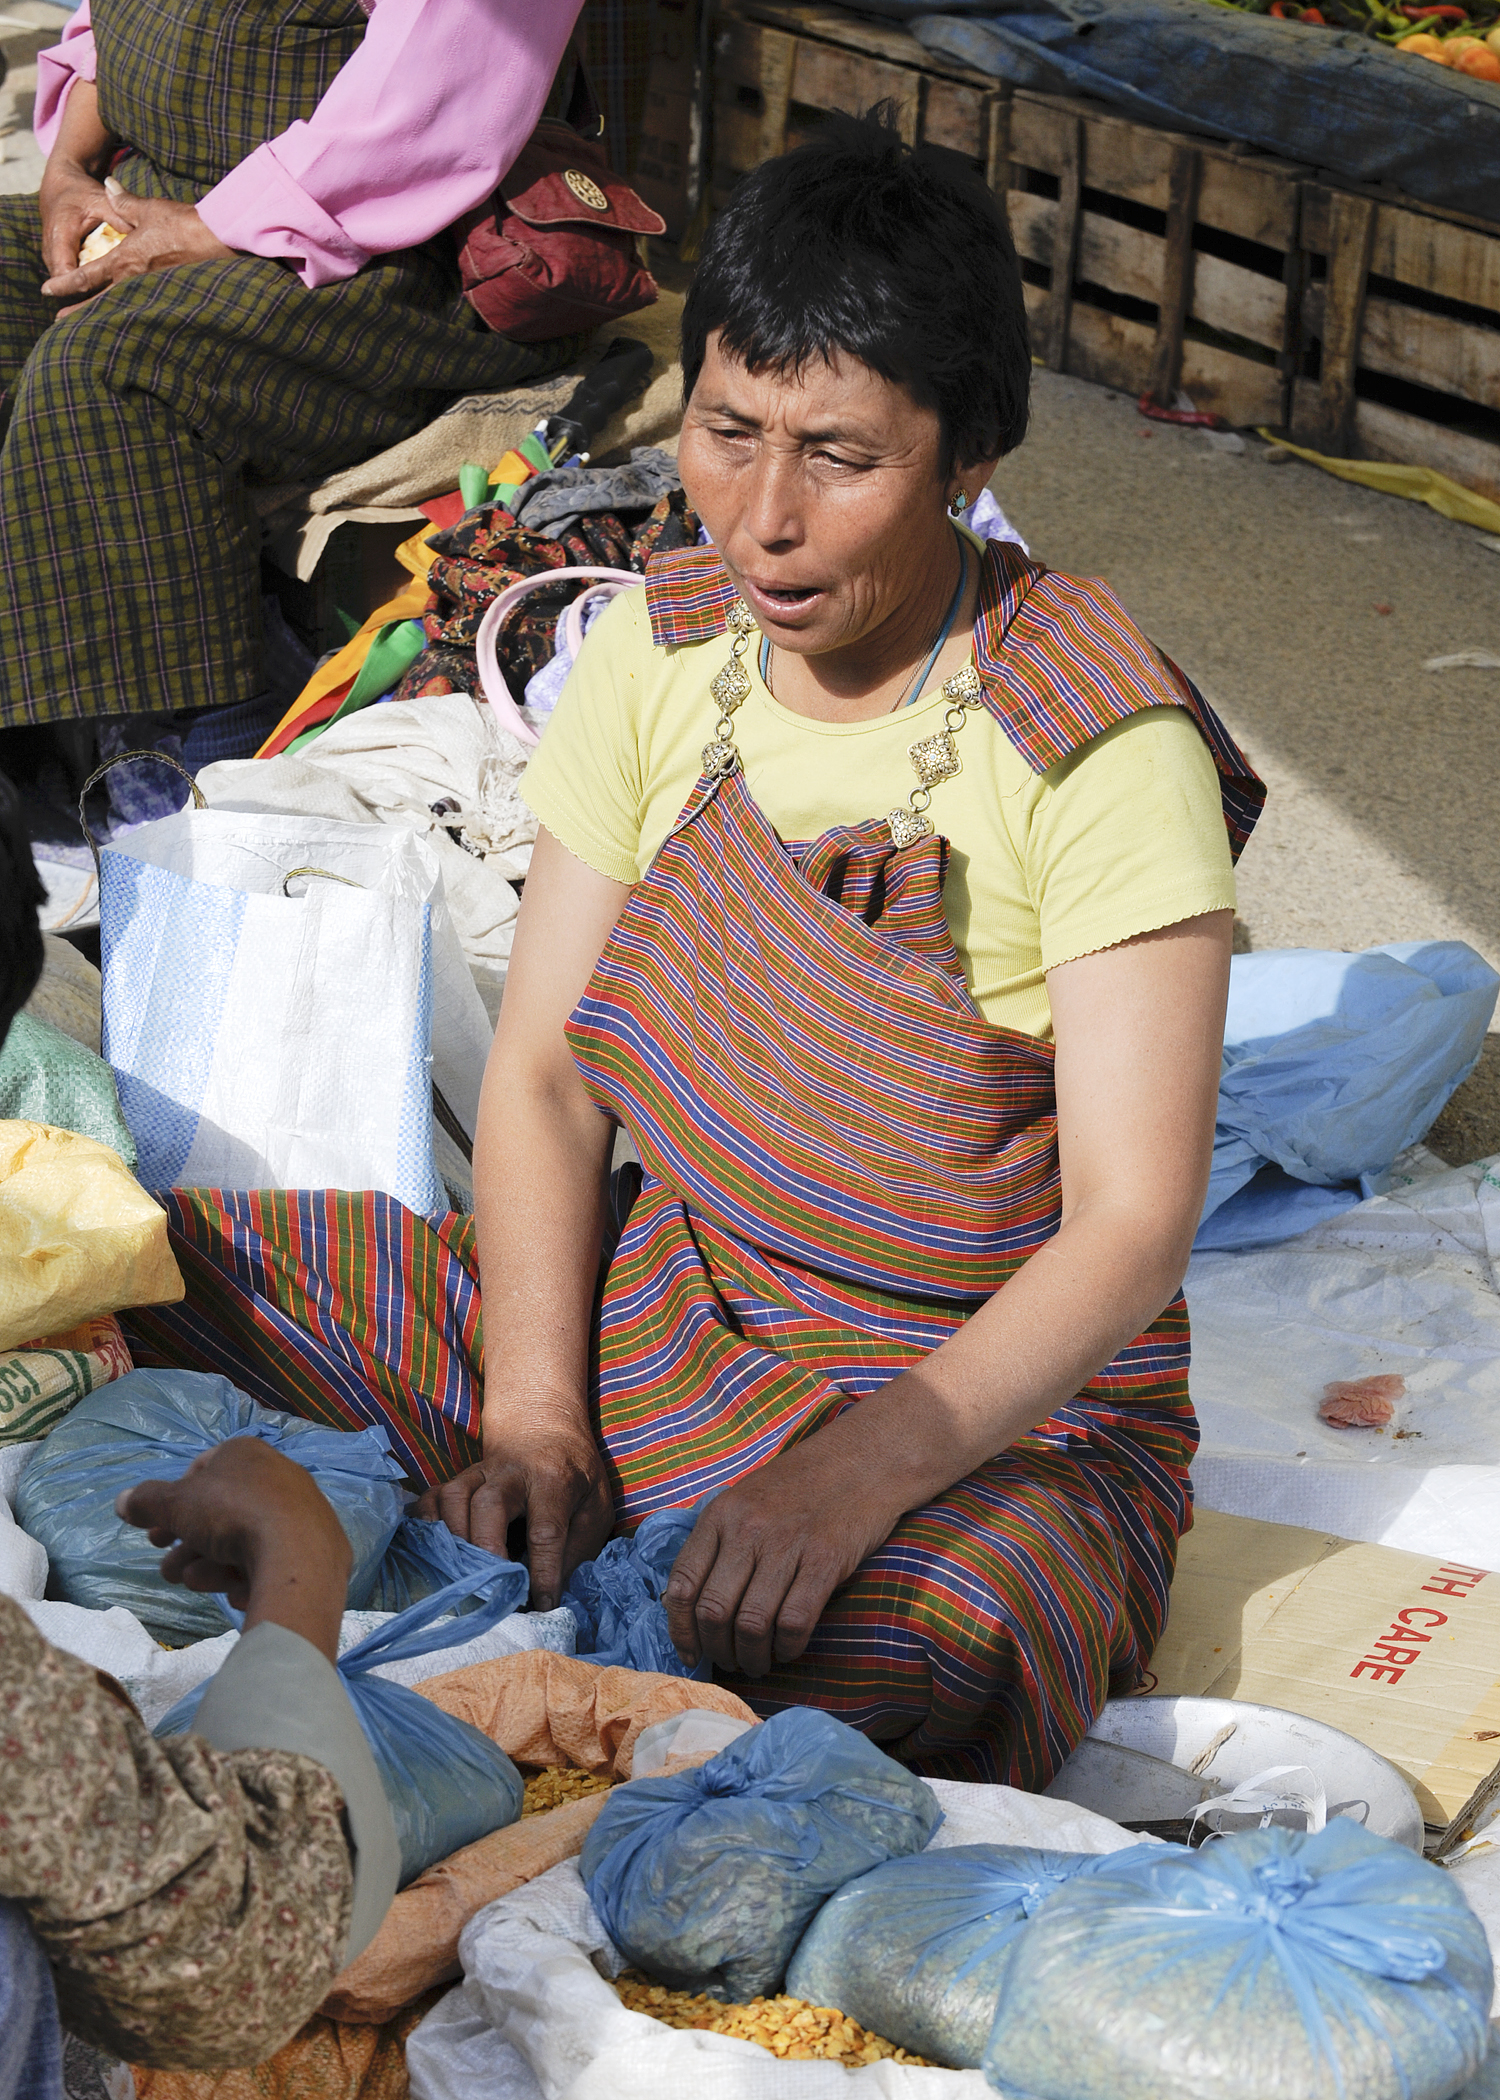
column 884, row 902
column 285, row 303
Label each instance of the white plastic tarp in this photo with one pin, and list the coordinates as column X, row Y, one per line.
column 1408, row 1283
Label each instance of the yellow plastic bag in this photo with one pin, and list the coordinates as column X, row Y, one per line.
column 78, row 1235
column 1420, row 484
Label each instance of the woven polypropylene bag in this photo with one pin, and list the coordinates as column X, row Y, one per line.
column 1268, row 1966
column 708, row 1879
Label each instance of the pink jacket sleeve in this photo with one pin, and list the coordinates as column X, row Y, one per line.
column 56, row 71
column 416, row 128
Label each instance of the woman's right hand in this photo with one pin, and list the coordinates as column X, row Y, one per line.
column 72, row 204
column 551, row 1473
column 73, row 199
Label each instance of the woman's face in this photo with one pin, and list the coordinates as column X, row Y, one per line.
column 821, row 492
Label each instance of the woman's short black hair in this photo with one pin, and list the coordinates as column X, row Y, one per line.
column 896, row 255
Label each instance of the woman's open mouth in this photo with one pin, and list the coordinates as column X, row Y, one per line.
column 780, row 601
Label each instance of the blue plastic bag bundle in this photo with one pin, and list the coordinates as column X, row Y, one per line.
column 616, row 1599
column 151, row 1425
column 1268, row 1966
column 1333, row 1064
column 915, row 1950
column 448, row 1785
column 423, row 1558
column 707, row 1880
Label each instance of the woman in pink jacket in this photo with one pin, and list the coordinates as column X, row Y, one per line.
column 285, row 303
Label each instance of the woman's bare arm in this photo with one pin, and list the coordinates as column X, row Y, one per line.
column 1139, row 1031
column 541, row 1157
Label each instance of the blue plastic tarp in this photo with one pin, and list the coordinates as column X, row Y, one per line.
column 1337, row 100
column 1334, row 1064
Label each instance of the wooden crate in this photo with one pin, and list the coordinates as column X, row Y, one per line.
column 1156, row 261
column 1401, row 315
column 661, row 168
column 1153, row 262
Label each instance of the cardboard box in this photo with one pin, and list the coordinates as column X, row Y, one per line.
column 1397, row 1649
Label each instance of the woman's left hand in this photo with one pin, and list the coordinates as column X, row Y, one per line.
column 764, row 1558
column 159, row 235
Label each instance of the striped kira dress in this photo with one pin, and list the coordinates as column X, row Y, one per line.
column 841, row 1160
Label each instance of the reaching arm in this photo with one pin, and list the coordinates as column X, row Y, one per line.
column 196, row 1897
column 1139, row 1030
column 541, row 1156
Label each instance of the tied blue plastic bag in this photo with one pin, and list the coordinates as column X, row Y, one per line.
column 1333, row 1064
column 448, row 1785
column 1268, row 1966
column 616, row 1600
column 151, row 1425
column 423, row 1558
column 707, row 1880
column 914, row 1951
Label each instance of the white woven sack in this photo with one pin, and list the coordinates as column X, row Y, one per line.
column 268, row 1033
column 536, row 2020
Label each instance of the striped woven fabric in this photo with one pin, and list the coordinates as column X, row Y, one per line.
column 1059, row 659
column 343, row 1308
column 841, row 1161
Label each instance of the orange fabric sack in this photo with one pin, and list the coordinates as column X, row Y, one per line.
column 321, row 2062
column 542, row 1709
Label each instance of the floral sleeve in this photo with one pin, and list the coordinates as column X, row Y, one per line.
column 194, row 1903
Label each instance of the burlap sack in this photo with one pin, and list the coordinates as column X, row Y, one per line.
column 323, row 2061
column 300, row 521
column 542, row 1709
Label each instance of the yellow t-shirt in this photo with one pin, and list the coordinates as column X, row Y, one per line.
column 1125, row 835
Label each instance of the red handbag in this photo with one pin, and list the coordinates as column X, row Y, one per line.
column 554, row 251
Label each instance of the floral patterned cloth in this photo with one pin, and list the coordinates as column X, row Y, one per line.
column 194, row 1904
column 487, row 551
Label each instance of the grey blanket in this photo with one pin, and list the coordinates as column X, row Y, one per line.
column 553, row 502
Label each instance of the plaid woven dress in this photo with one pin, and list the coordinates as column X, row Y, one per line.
column 841, row 1161
column 139, row 425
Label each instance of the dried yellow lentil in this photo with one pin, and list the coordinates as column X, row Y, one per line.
column 556, row 1784
column 788, row 2027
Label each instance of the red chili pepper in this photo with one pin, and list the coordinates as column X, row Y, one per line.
column 1432, row 14
column 1188, row 419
